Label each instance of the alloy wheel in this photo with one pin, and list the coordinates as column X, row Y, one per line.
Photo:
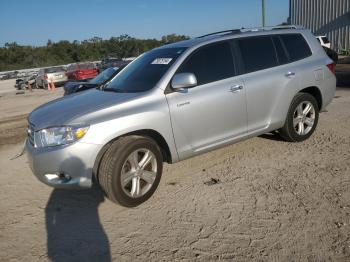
column 138, row 173
column 304, row 118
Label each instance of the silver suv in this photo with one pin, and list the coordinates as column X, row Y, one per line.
column 55, row 74
column 178, row 101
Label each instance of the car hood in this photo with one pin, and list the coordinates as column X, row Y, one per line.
column 72, row 87
column 69, row 109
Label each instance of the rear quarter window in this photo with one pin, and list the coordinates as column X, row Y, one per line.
column 325, row 40
column 296, row 46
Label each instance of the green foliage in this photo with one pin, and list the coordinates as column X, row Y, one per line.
column 14, row 56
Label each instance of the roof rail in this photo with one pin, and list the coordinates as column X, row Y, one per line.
column 231, row 31
column 266, row 28
column 253, row 29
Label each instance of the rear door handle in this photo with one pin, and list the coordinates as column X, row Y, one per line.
column 236, row 88
column 290, row 74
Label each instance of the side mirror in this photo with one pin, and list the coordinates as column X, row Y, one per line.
column 183, row 80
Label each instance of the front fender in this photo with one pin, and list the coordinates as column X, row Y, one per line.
column 104, row 132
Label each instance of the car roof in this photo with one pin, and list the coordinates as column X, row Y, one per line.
column 234, row 33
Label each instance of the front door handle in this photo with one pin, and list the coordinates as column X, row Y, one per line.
column 236, row 88
column 290, row 74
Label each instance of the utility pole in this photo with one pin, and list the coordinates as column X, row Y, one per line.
column 263, row 12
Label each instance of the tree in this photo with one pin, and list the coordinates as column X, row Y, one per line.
column 14, row 56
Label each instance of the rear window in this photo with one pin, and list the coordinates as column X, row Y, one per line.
column 86, row 66
column 54, row 69
column 258, row 53
column 296, row 46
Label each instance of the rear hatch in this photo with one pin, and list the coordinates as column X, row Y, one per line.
column 56, row 74
column 86, row 71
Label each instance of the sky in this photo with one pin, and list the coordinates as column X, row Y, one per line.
column 33, row 22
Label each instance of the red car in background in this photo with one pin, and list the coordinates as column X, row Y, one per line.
column 81, row 71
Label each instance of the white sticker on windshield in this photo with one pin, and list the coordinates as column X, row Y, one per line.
column 161, row 61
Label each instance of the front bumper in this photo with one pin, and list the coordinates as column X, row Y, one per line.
column 67, row 166
column 57, row 82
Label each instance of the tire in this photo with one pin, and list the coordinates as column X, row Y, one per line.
column 298, row 125
column 36, row 85
column 119, row 162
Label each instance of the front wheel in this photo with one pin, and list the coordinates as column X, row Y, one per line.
column 130, row 170
column 302, row 118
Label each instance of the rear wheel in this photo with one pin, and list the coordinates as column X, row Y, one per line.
column 130, row 170
column 302, row 118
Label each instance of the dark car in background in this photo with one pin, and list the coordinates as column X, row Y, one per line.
column 24, row 82
column 101, row 79
column 331, row 54
column 20, row 84
column 9, row 75
column 111, row 62
column 81, row 71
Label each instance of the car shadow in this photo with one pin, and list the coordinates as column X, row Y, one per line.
column 74, row 231
column 272, row 136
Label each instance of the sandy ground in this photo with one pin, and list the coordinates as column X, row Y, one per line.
column 15, row 106
column 274, row 201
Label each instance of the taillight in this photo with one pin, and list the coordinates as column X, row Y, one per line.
column 331, row 67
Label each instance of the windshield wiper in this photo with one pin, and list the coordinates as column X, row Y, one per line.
column 101, row 87
column 116, row 90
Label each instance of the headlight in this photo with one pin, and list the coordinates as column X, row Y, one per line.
column 56, row 136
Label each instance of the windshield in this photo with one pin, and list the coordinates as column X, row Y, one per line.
column 104, row 76
column 145, row 72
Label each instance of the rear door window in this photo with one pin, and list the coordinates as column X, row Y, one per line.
column 296, row 46
column 281, row 53
column 258, row 53
column 210, row 63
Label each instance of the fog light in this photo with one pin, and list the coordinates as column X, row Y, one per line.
column 58, row 178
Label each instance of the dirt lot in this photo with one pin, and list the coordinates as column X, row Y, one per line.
column 274, row 201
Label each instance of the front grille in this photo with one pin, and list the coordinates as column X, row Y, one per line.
column 30, row 133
